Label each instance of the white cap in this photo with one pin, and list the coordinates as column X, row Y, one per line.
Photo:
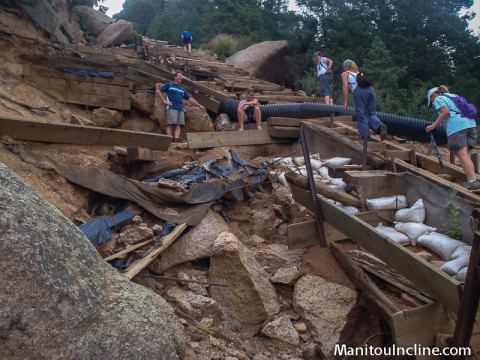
column 430, row 92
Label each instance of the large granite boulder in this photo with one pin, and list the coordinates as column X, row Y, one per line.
column 116, row 34
column 91, row 20
column 250, row 297
column 61, row 300
column 265, row 61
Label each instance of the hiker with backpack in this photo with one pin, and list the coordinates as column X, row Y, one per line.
column 365, row 101
column 459, row 117
column 324, row 74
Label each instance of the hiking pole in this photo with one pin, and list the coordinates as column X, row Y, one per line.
column 436, row 150
column 314, row 83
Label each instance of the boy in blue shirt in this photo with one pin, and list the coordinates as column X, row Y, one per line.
column 187, row 40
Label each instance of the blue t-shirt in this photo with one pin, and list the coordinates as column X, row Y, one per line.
column 175, row 94
column 454, row 122
column 322, row 66
column 186, row 33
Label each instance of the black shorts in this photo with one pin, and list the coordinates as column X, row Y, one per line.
column 187, row 40
column 249, row 112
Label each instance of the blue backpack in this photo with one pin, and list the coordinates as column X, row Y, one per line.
column 467, row 110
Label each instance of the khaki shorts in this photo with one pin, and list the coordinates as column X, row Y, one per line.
column 175, row 117
column 462, row 138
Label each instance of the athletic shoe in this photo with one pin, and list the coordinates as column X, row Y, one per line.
column 240, row 129
column 259, row 128
column 383, row 132
column 472, row 185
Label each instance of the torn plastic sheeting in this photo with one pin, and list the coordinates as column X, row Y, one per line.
column 99, row 229
column 156, row 201
column 200, row 174
column 83, row 72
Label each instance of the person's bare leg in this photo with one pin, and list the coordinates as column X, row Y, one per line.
column 189, row 47
column 328, row 100
column 257, row 116
column 241, row 118
column 177, row 131
column 466, row 162
column 168, row 130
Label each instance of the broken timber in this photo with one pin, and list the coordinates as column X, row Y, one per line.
column 167, row 240
column 82, row 135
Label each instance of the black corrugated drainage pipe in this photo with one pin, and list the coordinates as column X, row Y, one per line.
column 396, row 124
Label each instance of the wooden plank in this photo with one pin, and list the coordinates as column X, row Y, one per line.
column 209, row 103
column 420, row 325
column 138, row 265
column 91, row 100
column 360, row 279
column 128, row 250
column 84, row 135
column 305, row 234
column 201, row 140
column 139, row 154
column 284, row 132
column 81, row 86
column 398, row 154
column 435, row 179
column 326, row 142
column 324, row 190
column 423, row 274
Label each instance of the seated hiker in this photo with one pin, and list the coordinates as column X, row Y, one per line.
column 249, row 111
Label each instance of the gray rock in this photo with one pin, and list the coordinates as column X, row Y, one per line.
column 134, row 235
column 143, row 102
column 224, row 123
column 286, row 275
column 115, row 34
column 250, row 298
column 61, row 300
column 193, row 304
column 195, row 245
column 93, row 21
column 325, row 307
column 282, row 329
column 42, row 15
column 275, row 256
column 107, row 118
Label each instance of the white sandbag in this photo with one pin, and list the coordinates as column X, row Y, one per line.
column 461, row 250
column 414, row 214
column 351, row 210
column 393, row 234
column 316, row 164
column 285, row 162
column 338, row 161
column 324, row 173
column 452, row 267
column 281, row 179
column 338, row 183
column 387, row 203
column 315, row 156
column 300, row 161
column 414, row 230
column 318, row 178
column 303, row 172
column 461, row 275
column 441, row 244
